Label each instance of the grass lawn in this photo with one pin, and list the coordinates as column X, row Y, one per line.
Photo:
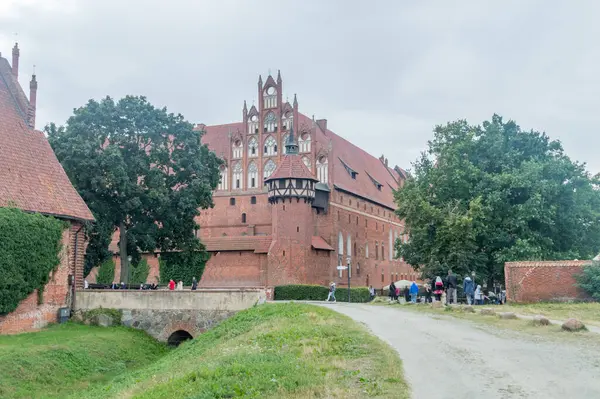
column 69, row 358
column 588, row 313
column 270, row 351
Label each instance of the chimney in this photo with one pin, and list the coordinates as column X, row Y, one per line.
column 32, row 100
column 15, row 61
column 322, row 123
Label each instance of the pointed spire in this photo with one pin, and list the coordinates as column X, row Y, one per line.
column 15, row 60
column 290, row 146
column 33, row 85
column 245, row 106
column 295, row 101
column 260, row 82
column 278, row 76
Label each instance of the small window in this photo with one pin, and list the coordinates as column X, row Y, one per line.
column 350, row 202
column 237, row 183
column 382, row 252
column 231, row 201
column 376, row 226
column 283, row 253
column 349, row 216
column 358, row 270
column 297, row 229
column 341, row 199
column 284, row 207
column 366, row 222
column 281, row 183
column 354, row 249
column 243, row 218
column 253, row 182
column 357, row 220
column 276, row 153
column 253, row 200
column 382, row 277
column 298, row 183
column 338, row 215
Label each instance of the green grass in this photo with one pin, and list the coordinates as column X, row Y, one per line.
column 588, row 313
column 270, row 351
column 68, row 358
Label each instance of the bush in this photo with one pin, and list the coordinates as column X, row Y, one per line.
column 303, row 292
column 182, row 266
column 139, row 272
column 106, row 272
column 589, row 280
column 31, row 245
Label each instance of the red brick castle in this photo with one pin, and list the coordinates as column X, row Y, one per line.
column 296, row 200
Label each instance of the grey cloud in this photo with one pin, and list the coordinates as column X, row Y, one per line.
column 383, row 73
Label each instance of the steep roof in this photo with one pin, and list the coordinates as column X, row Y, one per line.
column 291, row 166
column 31, row 178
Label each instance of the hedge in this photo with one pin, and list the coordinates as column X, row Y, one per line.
column 304, row 292
column 182, row 266
column 106, row 272
column 31, row 245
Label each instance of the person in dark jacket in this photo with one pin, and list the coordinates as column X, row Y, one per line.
column 194, row 284
column 451, row 284
column 469, row 289
column 392, row 292
column 428, row 293
column 406, row 294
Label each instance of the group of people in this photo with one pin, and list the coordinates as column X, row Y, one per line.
column 172, row 285
column 179, row 286
column 473, row 293
column 410, row 292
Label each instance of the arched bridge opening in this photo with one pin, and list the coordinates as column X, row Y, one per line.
column 178, row 337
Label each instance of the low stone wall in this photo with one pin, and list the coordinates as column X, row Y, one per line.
column 543, row 281
column 163, row 313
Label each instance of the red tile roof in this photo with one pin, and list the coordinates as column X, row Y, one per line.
column 258, row 244
column 31, row 178
column 319, row 243
column 291, row 166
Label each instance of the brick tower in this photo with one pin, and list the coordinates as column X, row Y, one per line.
column 291, row 194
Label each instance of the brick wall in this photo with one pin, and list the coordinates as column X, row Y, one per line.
column 29, row 316
column 234, row 269
column 543, row 281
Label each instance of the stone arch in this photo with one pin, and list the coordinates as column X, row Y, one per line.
column 179, row 336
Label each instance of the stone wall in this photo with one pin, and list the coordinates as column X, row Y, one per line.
column 543, row 281
column 31, row 316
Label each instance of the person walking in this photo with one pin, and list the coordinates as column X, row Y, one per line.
column 171, row 285
column 194, row 284
column 392, row 292
column 372, row 292
column 438, row 288
column 331, row 292
column 451, row 284
column 468, row 289
column 414, row 291
column 478, row 296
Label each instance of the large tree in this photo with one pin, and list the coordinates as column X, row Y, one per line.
column 141, row 170
column 480, row 196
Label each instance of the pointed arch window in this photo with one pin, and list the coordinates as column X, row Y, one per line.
column 376, row 250
column 304, row 142
column 236, row 149
column 391, row 246
column 322, row 169
column 284, row 142
column 270, row 97
column 269, row 168
column 349, row 244
column 252, row 175
column 253, row 147
column 270, row 123
column 306, row 161
column 340, row 251
column 367, row 250
column 287, row 121
column 238, row 176
column 270, row 146
column 223, row 181
column 253, row 124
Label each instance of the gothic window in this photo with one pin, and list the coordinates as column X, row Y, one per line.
column 382, row 251
column 270, row 97
column 237, row 149
column 391, row 246
column 376, row 251
column 304, row 142
column 253, row 124
column 340, row 251
column 284, row 142
column 238, row 178
column 243, row 218
column 349, row 244
column 270, row 123
column 367, row 250
column 252, row 175
column 322, row 169
column 306, row 161
column 287, row 120
column 253, row 147
column 270, row 146
column 223, row 181
column 269, row 168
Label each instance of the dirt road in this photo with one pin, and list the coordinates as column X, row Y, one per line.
column 450, row 358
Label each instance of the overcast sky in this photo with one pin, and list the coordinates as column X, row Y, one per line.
column 383, row 73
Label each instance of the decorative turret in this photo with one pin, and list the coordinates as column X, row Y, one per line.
column 15, row 60
column 291, row 179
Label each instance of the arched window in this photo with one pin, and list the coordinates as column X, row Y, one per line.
column 270, row 97
column 304, row 142
column 243, row 218
column 270, row 123
column 269, row 168
column 306, row 161
column 253, row 147
column 284, row 142
column 322, row 169
column 236, row 149
column 252, row 175
column 382, row 251
column 223, row 181
column 238, row 177
column 367, row 250
column 340, row 251
column 270, row 146
column 376, row 250
column 287, row 120
column 253, row 124
column 391, row 246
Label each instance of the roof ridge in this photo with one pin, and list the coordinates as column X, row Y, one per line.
column 12, row 86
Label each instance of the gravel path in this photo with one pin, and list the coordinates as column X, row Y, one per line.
column 451, row 358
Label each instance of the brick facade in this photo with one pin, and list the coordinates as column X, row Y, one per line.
column 31, row 316
column 543, row 281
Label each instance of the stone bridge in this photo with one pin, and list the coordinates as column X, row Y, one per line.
column 171, row 316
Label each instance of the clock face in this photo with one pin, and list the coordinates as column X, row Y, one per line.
column 271, row 91
column 238, row 143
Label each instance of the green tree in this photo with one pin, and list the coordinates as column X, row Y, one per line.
column 480, row 196
column 141, row 170
column 139, row 272
column 589, row 280
column 106, row 272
